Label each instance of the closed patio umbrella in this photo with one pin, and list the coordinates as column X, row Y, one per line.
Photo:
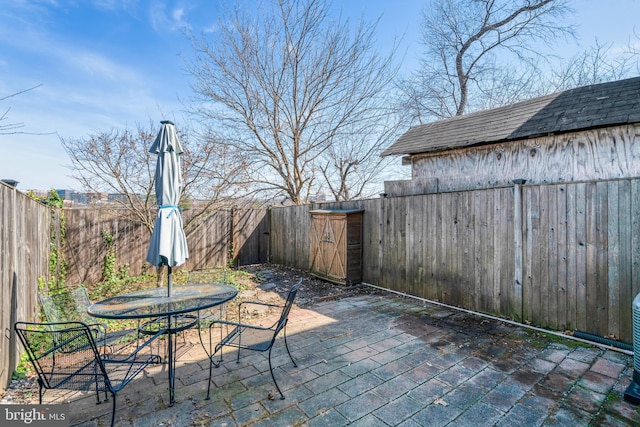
column 168, row 244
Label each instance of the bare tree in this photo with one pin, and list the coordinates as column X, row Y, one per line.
column 288, row 88
column 119, row 162
column 597, row 64
column 350, row 168
column 463, row 38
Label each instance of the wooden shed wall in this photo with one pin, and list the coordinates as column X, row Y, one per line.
column 595, row 154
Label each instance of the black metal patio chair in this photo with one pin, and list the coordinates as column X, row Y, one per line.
column 65, row 356
column 71, row 304
column 252, row 337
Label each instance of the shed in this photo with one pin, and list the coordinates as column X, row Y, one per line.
column 587, row 133
column 336, row 245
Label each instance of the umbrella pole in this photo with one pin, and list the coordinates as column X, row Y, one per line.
column 169, row 281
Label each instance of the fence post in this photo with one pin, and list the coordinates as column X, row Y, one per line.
column 14, row 350
column 517, row 247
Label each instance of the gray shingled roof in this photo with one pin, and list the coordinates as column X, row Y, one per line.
column 605, row 104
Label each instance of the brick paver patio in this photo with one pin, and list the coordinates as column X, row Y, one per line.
column 369, row 360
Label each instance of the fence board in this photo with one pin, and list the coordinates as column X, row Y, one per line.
column 613, row 255
column 602, row 251
column 531, row 288
column 582, row 256
column 467, row 255
column 561, row 256
column 450, row 283
column 509, row 302
column 479, row 251
column 553, row 289
column 498, row 242
column 413, row 245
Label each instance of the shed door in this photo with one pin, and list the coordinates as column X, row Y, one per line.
column 329, row 248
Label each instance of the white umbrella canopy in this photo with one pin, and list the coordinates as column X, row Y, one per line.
column 168, row 244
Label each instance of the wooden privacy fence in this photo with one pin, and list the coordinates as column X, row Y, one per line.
column 24, row 257
column 561, row 256
column 236, row 235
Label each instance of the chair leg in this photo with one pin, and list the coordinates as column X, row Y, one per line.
column 40, row 390
column 96, row 380
column 211, row 364
column 209, row 382
column 98, row 401
column 286, row 345
column 113, row 410
column 273, row 376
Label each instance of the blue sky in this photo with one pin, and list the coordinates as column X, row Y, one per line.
column 105, row 64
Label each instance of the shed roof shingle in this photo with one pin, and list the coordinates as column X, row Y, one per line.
column 605, row 104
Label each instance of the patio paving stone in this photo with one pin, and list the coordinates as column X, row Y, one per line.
column 436, row 415
column 608, row 367
column 394, row 388
column 455, row 375
column 322, row 402
column 329, row 418
column 398, row 410
column 360, row 367
column 505, row 395
column 464, row 396
column 360, row 406
column 360, row 384
column 479, row 415
column 521, row 415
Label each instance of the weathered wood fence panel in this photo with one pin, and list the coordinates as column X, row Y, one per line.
column 210, row 245
column 250, row 236
column 289, row 237
column 579, row 260
column 582, row 256
column 86, row 244
column 24, row 257
column 455, row 248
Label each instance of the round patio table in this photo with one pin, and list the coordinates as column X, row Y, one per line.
column 178, row 310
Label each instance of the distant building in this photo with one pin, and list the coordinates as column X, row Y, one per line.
column 82, row 198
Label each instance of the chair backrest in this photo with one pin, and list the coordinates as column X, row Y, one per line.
column 284, row 316
column 67, row 306
column 64, row 355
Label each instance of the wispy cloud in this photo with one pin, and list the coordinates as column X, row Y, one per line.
column 163, row 18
